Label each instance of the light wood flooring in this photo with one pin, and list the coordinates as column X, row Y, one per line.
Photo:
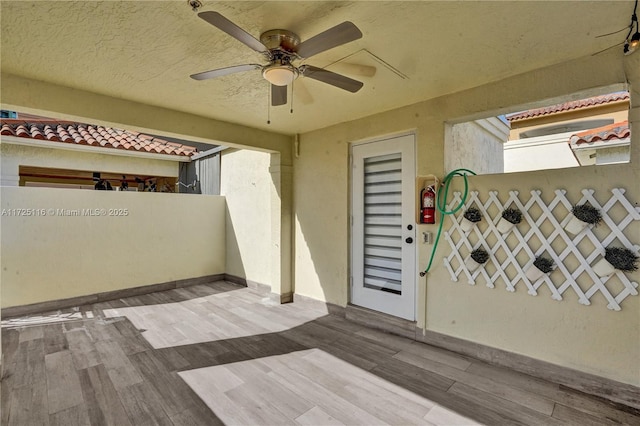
column 223, row 354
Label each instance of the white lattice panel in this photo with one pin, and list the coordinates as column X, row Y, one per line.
column 541, row 232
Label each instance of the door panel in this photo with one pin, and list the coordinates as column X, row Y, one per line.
column 383, row 259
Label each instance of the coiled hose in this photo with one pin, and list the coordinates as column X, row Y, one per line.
column 441, row 205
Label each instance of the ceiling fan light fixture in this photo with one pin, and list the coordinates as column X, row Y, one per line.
column 280, row 75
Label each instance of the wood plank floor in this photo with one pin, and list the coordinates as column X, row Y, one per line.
column 223, row 354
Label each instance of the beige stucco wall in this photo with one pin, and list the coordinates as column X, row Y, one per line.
column 588, row 338
column 544, row 152
column 246, row 183
column 12, row 156
column 591, row 339
column 477, row 145
column 56, row 256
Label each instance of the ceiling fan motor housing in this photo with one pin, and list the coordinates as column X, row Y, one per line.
column 282, row 40
column 282, row 45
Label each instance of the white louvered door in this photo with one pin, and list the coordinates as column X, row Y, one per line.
column 383, row 226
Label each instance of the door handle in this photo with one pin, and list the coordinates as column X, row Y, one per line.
column 409, row 240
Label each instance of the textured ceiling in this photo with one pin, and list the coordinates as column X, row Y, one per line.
column 145, row 51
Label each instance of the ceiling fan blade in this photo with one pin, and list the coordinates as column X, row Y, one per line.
column 355, row 69
column 301, row 92
column 222, row 23
column 224, row 71
column 333, row 37
column 278, row 95
column 332, row 78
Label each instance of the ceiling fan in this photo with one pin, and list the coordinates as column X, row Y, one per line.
column 282, row 48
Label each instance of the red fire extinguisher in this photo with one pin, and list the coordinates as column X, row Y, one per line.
column 428, row 211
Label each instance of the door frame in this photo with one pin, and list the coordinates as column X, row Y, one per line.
column 414, row 165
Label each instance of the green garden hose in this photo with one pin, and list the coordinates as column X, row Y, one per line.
column 441, row 205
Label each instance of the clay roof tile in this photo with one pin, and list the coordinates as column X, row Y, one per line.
column 611, row 132
column 86, row 134
column 7, row 130
column 569, row 106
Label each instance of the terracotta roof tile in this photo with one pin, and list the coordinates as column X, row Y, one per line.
column 50, row 133
column 88, row 134
column 569, row 106
column 611, row 132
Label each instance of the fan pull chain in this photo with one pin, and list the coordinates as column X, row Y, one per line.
column 269, row 107
column 291, row 110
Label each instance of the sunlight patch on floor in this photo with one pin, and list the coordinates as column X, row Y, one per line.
column 310, row 387
column 213, row 317
column 38, row 320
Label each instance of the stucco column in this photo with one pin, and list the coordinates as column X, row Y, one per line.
column 281, row 230
column 632, row 73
